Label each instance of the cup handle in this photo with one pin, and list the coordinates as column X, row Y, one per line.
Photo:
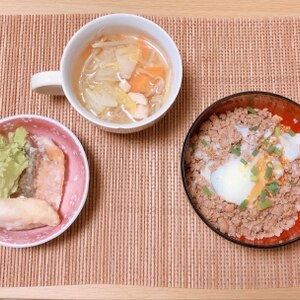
column 49, row 83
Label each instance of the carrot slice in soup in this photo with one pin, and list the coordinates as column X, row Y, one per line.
column 140, row 83
column 156, row 71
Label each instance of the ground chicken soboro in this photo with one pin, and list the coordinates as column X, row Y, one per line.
column 256, row 139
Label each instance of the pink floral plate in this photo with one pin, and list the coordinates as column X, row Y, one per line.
column 76, row 183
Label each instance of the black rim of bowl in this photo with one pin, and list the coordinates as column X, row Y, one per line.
column 183, row 154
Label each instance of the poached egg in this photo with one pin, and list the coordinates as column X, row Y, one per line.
column 232, row 182
column 291, row 146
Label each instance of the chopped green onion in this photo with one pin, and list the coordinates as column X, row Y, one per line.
column 251, row 110
column 255, row 171
column 206, row 191
column 244, row 204
column 265, row 142
column 271, row 149
column 268, row 173
column 236, row 150
column 254, row 178
column 273, row 188
column 274, row 149
column 255, row 152
column 253, row 128
column 243, row 161
column 204, row 142
column 193, row 146
column 263, row 195
column 278, row 152
column 291, row 132
column 262, row 205
column 277, row 131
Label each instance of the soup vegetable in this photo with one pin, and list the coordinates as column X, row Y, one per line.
column 123, row 79
column 243, row 173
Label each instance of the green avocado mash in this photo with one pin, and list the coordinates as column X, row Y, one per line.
column 13, row 161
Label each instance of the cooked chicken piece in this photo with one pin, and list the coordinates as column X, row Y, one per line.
column 26, row 213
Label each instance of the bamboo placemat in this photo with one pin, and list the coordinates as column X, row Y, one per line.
column 137, row 226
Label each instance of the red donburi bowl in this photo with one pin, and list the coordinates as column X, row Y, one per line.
column 284, row 107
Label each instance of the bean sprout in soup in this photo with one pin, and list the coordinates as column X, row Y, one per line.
column 123, row 78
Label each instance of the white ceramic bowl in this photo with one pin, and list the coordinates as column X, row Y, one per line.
column 76, row 183
column 51, row 82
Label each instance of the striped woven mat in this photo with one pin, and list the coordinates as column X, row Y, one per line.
column 138, row 227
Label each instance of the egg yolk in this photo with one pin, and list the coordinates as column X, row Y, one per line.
column 261, row 182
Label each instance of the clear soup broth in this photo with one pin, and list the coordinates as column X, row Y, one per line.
column 122, row 78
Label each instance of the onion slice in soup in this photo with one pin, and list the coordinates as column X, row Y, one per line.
column 127, row 57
